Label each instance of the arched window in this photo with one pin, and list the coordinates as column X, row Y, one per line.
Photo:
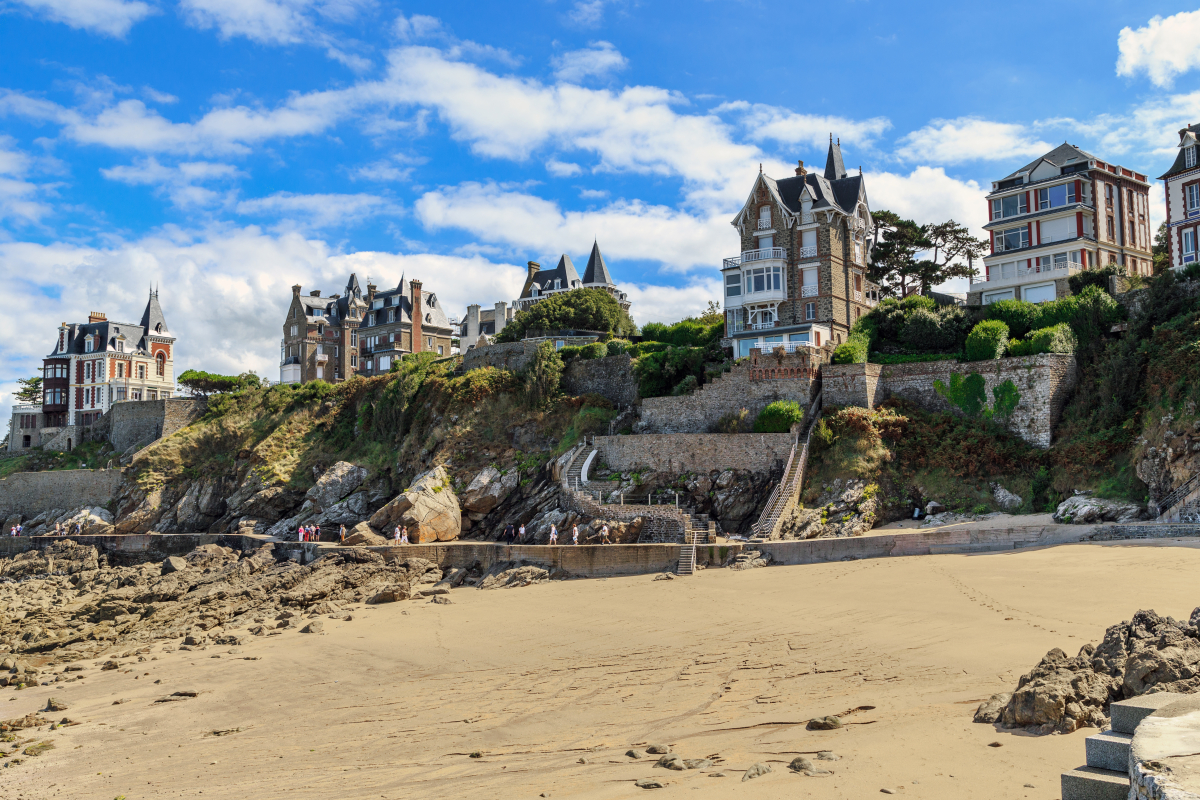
column 161, row 359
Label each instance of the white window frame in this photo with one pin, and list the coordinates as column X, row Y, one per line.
column 1187, row 243
column 733, row 284
column 998, row 206
column 996, row 297
column 1023, row 239
column 1189, row 157
column 1048, row 202
column 1191, row 199
column 810, row 311
column 1032, row 286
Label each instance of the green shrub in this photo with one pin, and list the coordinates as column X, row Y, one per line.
column 1020, row 317
column 594, row 350
column 735, row 422
column 543, row 376
column 644, row 348
column 923, row 330
column 888, row 318
column 1055, row 339
column 916, row 301
column 987, row 340
column 617, row 346
column 686, row 386
column 659, row 373
column 570, row 353
column 685, row 333
column 853, row 351
column 778, row 417
column 584, row 309
column 1094, row 277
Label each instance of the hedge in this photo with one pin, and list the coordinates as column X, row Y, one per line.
column 778, row 417
column 987, row 340
column 854, row 350
column 1054, row 339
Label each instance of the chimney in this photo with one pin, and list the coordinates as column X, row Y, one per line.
column 370, row 293
column 501, row 312
column 96, row 316
column 417, row 315
column 472, row 326
column 800, row 170
column 531, row 268
column 296, row 290
column 315, row 293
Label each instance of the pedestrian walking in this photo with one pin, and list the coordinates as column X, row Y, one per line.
column 553, row 534
column 342, row 534
column 404, row 535
column 604, row 535
column 300, row 534
column 574, row 534
column 521, row 535
column 396, row 534
column 317, row 533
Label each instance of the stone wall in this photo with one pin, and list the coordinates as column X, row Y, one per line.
column 610, row 377
column 696, row 452
column 753, row 384
column 142, row 422
column 511, row 355
column 31, row 493
column 1044, row 381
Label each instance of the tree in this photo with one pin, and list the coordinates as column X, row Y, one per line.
column 894, row 258
column 31, row 389
column 202, row 384
column 543, row 376
column 951, row 243
column 582, row 309
column 1160, row 252
column 712, row 314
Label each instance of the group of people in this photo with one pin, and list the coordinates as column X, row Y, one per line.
column 308, row 533
column 60, row 529
column 400, row 534
column 16, row 530
column 516, row 535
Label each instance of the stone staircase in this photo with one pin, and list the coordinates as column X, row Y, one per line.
column 1183, row 504
column 1105, row 776
column 786, row 493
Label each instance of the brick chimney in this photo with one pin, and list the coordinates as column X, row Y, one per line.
column 315, row 293
column 370, row 293
column 96, row 316
column 800, row 170
column 417, row 315
column 296, row 290
column 532, row 268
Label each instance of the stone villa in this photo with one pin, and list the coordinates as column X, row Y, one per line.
column 1183, row 200
column 93, row 366
column 800, row 279
column 1063, row 213
column 332, row 338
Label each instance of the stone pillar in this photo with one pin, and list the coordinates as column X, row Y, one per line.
column 418, row 341
column 501, row 316
column 471, row 334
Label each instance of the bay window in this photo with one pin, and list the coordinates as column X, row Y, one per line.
column 1010, row 206
column 1012, row 239
column 763, row 279
column 1056, row 196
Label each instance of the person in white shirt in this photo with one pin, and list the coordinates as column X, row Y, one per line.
column 521, row 535
column 574, row 534
column 553, row 534
column 404, row 535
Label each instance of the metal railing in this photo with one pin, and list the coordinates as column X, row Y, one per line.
column 738, row 327
column 1024, row 272
column 788, row 347
column 1173, row 499
column 809, row 291
column 764, row 224
column 793, row 476
column 806, row 218
column 808, row 251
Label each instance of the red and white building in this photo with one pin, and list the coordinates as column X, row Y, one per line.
column 1066, row 212
column 1183, row 200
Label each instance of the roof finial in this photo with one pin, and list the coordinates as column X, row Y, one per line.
column 760, row 168
column 831, row 137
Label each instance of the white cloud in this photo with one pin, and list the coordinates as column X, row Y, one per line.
column 1163, row 48
column 155, row 96
column 1148, row 129
column 397, row 168
column 109, row 17
column 319, row 209
column 593, row 194
column 18, row 197
column 269, row 21
column 929, row 195
column 763, row 122
column 650, row 303
column 953, row 141
column 181, row 182
column 562, row 169
column 598, row 59
column 625, row 229
column 587, row 13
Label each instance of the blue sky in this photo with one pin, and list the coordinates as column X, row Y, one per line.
column 226, row 149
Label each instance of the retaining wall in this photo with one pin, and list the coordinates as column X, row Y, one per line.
column 144, row 421
column 510, row 355
column 1044, row 382
column 696, row 452
column 31, row 493
column 610, row 377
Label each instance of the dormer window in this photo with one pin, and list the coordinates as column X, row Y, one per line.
column 557, row 283
column 533, row 292
column 87, row 344
column 1189, row 157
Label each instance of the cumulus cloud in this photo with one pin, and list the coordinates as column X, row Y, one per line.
column 504, row 215
column 928, row 195
column 397, row 168
column 182, row 183
column 651, row 303
column 587, row 13
column 598, row 59
column 761, row 122
column 318, row 209
column 954, row 141
column 108, row 17
column 1147, row 128
column 1163, row 48
column 19, row 198
column 563, row 169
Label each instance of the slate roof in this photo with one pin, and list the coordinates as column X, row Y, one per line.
column 1058, row 157
column 834, row 168
column 596, row 270
column 564, row 272
column 152, row 318
column 401, row 298
column 107, row 332
column 1187, row 138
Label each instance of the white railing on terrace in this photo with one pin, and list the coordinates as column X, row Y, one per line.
column 27, row 409
column 1025, row 272
column 738, row 327
column 809, row 291
column 809, row 251
column 764, row 224
column 762, row 254
column 788, row 347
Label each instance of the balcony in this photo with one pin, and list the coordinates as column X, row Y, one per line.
column 809, row 291
column 762, row 254
column 1020, row 274
column 740, row 327
column 806, row 218
column 322, row 358
column 807, row 252
column 764, row 224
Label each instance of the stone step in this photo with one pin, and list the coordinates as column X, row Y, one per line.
column 1126, row 714
column 1108, row 750
column 1089, row 783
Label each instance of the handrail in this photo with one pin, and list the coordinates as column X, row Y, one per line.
column 786, row 488
column 1172, row 499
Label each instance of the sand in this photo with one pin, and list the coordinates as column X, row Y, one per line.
column 391, row 704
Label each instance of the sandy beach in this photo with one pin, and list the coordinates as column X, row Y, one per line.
column 551, row 684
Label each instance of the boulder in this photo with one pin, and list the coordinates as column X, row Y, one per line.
column 671, row 761
column 990, row 710
column 429, row 508
column 173, row 564
column 1006, row 499
column 824, row 723
column 488, row 489
column 143, row 516
column 934, row 507
column 508, row 576
column 346, row 512
column 805, row 766
column 1084, row 509
column 390, row 594
column 757, row 770
column 362, row 535
column 316, row 626
column 338, row 481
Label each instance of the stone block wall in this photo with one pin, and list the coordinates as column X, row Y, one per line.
column 31, row 493
column 610, row 377
column 1044, row 381
column 142, row 422
column 511, row 355
column 752, row 385
column 696, row 452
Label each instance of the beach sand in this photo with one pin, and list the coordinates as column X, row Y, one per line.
column 391, row 704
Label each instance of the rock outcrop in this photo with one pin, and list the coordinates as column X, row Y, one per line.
column 429, row 508
column 1084, row 509
column 488, row 489
column 845, row 507
column 1144, row 655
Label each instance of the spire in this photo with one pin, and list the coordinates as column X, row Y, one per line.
column 152, row 318
column 597, row 270
column 834, row 168
column 352, row 287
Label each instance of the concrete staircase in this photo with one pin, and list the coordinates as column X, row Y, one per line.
column 1183, row 504
column 1105, row 776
